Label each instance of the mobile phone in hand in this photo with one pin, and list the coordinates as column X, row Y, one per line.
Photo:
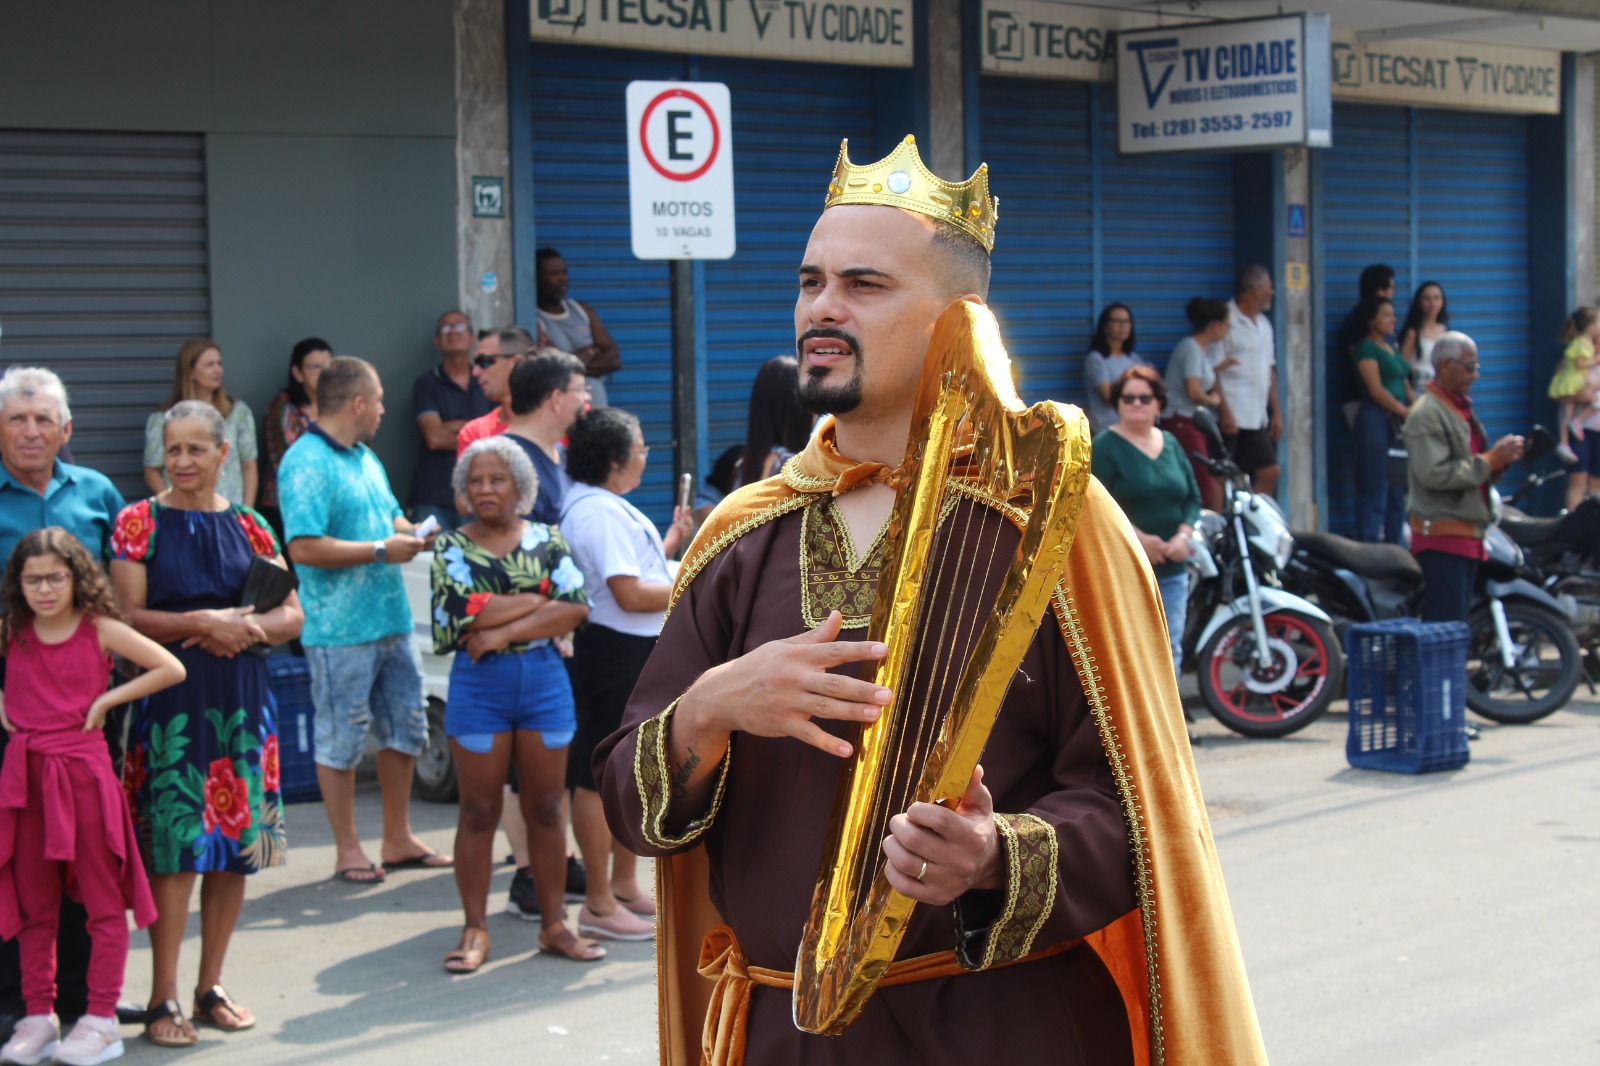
column 426, row 528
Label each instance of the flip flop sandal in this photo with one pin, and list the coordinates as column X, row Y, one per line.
column 427, row 860
column 473, row 952
column 206, row 1007
column 587, row 950
column 352, row 875
column 169, row 1011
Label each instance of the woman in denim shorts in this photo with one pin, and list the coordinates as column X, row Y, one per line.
column 502, row 587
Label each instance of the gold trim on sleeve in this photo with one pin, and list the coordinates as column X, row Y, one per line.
column 1031, row 854
column 654, row 781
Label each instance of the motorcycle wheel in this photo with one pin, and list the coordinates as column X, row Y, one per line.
column 1306, row 674
column 1548, row 666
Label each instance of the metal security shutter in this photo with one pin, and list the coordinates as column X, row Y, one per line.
column 1366, row 216
column 103, row 275
column 1473, row 220
column 580, row 199
column 1036, row 142
column 1166, row 235
column 1468, row 172
column 787, row 121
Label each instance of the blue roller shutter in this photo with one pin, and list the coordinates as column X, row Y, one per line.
column 1036, row 142
column 1468, row 173
column 1166, row 235
column 1473, row 177
column 1366, row 216
column 580, row 175
column 787, row 121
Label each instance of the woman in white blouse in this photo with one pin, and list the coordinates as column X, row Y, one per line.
column 624, row 564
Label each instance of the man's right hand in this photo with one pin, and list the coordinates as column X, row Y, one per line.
column 402, row 547
column 777, row 689
column 1506, row 450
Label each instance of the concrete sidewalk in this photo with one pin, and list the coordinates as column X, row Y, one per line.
column 341, row 973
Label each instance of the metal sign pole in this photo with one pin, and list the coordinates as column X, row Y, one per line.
column 685, row 385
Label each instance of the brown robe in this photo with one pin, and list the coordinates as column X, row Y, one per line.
column 765, row 843
column 1108, row 790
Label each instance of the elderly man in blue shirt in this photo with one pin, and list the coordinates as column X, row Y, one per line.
column 36, row 488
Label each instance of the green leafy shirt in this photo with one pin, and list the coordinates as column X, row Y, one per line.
column 466, row 575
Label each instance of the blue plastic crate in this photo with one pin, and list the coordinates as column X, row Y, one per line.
column 1408, row 699
column 291, row 689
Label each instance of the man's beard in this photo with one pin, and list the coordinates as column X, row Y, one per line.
column 815, row 395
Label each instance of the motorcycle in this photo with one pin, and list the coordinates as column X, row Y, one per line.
column 1563, row 555
column 1268, row 661
column 1523, row 661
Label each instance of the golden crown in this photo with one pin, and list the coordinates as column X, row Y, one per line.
column 900, row 179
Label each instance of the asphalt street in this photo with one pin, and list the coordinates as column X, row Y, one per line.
column 1386, row 920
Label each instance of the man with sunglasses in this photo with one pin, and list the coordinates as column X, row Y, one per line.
column 444, row 399
column 498, row 355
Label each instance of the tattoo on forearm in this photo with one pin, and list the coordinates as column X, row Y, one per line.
column 681, row 775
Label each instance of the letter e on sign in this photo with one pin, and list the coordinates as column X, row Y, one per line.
column 680, row 170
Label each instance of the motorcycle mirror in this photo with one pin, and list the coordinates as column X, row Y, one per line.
column 1206, row 422
column 1541, row 442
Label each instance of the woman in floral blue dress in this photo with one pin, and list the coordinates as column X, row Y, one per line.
column 202, row 766
column 502, row 588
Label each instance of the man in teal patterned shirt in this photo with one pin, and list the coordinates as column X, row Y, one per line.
column 347, row 537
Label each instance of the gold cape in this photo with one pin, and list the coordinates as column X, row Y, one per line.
column 1176, row 956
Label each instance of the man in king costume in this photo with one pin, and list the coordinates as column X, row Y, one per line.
column 1075, row 908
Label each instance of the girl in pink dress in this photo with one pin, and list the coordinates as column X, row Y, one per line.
column 64, row 823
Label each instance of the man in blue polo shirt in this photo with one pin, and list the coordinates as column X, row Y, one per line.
column 347, row 538
column 444, row 398
column 36, row 488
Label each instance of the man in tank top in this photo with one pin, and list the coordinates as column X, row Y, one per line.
column 572, row 326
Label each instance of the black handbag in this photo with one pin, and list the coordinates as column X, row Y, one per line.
column 266, row 586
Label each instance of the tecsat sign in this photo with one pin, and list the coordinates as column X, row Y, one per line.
column 1447, row 74
column 1220, row 86
column 876, row 32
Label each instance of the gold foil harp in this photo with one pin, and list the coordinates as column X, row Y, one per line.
column 959, row 600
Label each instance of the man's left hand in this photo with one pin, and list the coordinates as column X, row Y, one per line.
column 1275, row 426
column 955, row 850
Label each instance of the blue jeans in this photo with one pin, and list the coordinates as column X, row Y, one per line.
column 1450, row 582
column 1175, row 602
column 357, row 687
column 1380, row 507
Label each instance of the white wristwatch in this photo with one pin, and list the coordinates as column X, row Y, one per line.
column 380, row 552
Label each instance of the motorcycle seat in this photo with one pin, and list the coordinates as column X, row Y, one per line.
column 1377, row 561
column 1527, row 531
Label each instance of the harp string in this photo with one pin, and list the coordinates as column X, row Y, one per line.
column 930, row 693
column 888, row 800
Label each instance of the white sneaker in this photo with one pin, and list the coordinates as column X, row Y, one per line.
column 33, row 1040
column 92, row 1041
column 1566, row 454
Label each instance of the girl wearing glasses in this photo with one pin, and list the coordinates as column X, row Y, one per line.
column 1146, row 472
column 63, row 816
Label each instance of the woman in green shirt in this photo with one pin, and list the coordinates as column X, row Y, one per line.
column 1385, row 402
column 1146, row 472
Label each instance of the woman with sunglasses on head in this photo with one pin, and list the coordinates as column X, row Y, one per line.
column 1146, row 472
column 1110, row 353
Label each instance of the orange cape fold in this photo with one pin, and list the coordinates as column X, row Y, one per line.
column 1176, row 956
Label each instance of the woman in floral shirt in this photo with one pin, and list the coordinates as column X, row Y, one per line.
column 202, row 764
column 502, row 588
